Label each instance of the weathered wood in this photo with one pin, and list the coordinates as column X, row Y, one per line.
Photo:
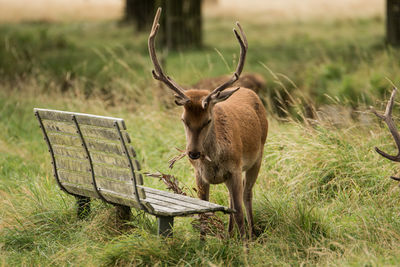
column 139, row 177
column 109, row 195
column 83, row 204
column 172, row 203
column 122, row 199
column 165, row 225
column 176, row 207
column 177, row 197
column 80, row 190
column 72, row 165
column 82, row 118
column 83, row 179
column 124, row 188
column 92, row 144
column 99, row 170
column 97, row 157
column 87, row 130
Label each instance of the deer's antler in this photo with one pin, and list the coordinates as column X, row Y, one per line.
column 158, row 72
column 243, row 50
column 387, row 118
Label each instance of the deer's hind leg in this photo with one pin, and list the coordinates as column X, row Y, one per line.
column 249, row 181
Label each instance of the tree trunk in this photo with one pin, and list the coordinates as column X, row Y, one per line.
column 393, row 22
column 181, row 24
column 140, row 13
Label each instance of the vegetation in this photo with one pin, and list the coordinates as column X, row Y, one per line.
column 323, row 196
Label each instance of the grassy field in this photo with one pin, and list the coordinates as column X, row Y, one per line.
column 323, row 196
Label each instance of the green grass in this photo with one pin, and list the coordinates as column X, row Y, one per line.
column 323, row 196
column 346, row 59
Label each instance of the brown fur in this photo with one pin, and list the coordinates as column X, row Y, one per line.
column 230, row 144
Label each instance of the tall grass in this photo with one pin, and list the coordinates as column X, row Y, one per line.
column 323, row 196
column 347, row 59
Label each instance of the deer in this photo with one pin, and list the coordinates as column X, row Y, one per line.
column 226, row 129
column 387, row 118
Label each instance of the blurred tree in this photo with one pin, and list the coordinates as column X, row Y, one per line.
column 140, row 13
column 393, row 22
column 181, row 22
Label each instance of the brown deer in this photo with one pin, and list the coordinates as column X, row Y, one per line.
column 225, row 130
column 387, row 118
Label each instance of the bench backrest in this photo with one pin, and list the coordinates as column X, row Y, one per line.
column 92, row 156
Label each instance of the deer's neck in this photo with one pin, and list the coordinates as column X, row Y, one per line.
column 211, row 144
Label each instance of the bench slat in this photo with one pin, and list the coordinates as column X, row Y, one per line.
column 99, row 170
column 80, row 190
column 171, row 201
column 82, row 118
column 93, row 145
column 128, row 200
column 79, row 153
column 179, row 198
column 86, row 180
column 86, row 191
column 122, row 199
column 87, row 130
column 170, row 205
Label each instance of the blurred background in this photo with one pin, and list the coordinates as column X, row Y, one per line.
column 303, row 55
column 20, row 10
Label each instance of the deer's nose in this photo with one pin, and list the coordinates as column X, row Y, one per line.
column 194, row 155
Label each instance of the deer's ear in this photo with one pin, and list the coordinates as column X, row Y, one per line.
column 180, row 101
column 223, row 95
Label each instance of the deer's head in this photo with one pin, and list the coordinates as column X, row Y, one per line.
column 198, row 104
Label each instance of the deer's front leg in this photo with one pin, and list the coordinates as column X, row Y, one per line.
column 235, row 187
column 203, row 192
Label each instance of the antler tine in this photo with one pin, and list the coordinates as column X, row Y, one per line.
column 243, row 50
column 387, row 117
column 158, row 72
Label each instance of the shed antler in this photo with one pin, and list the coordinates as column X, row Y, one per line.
column 243, row 50
column 387, row 117
column 158, row 73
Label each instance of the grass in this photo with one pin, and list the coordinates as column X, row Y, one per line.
column 323, row 196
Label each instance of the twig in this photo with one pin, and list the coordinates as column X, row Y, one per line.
column 176, row 158
column 170, row 181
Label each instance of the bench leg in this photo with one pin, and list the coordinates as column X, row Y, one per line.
column 165, row 224
column 83, row 204
column 123, row 215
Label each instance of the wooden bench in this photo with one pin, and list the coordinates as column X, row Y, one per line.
column 92, row 157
